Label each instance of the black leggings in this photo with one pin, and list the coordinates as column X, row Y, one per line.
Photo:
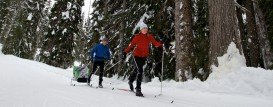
column 101, row 65
column 138, row 71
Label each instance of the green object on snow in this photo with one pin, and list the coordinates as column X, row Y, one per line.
column 81, row 72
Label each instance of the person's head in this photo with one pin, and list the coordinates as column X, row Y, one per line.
column 104, row 41
column 143, row 28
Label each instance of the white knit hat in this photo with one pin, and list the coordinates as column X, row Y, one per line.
column 142, row 25
column 102, row 37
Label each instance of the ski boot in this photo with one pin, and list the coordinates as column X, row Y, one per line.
column 100, row 86
column 88, row 82
column 139, row 93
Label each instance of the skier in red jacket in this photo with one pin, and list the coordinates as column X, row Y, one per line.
column 140, row 46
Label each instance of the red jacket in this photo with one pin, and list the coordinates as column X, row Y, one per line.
column 141, row 43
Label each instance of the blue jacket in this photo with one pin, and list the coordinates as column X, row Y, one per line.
column 100, row 53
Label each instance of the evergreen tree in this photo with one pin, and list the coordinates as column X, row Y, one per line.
column 63, row 27
column 117, row 20
column 42, row 28
column 80, row 42
column 33, row 17
column 96, row 25
column 15, row 28
column 3, row 15
column 201, row 39
column 20, row 29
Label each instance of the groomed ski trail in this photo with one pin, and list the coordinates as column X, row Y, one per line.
column 26, row 83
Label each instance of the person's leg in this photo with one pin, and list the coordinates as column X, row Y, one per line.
column 101, row 64
column 140, row 63
column 133, row 75
column 132, row 78
column 95, row 64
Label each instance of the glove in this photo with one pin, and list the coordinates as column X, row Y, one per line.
column 123, row 56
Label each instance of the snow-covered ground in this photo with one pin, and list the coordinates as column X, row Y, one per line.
column 26, row 83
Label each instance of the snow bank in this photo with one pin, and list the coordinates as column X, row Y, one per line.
column 230, row 77
column 246, row 80
column 229, row 62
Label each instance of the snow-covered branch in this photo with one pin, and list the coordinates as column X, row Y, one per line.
column 240, row 6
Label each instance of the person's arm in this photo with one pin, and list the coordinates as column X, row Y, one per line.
column 154, row 42
column 93, row 52
column 131, row 45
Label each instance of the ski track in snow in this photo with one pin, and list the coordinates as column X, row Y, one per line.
column 28, row 83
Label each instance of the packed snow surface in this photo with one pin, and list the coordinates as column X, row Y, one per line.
column 26, row 83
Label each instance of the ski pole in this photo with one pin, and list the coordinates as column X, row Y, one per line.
column 92, row 74
column 162, row 68
column 114, row 65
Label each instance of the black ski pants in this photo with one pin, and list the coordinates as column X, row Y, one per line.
column 95, row 65
column 138, row 71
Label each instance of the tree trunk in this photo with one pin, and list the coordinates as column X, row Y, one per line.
column 121, row 41
column 223, row 28
column 184, row 39
column 267, row 54
column 253, row 40
column 242, row 32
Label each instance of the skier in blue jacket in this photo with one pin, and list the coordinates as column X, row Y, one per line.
column 99, row 54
